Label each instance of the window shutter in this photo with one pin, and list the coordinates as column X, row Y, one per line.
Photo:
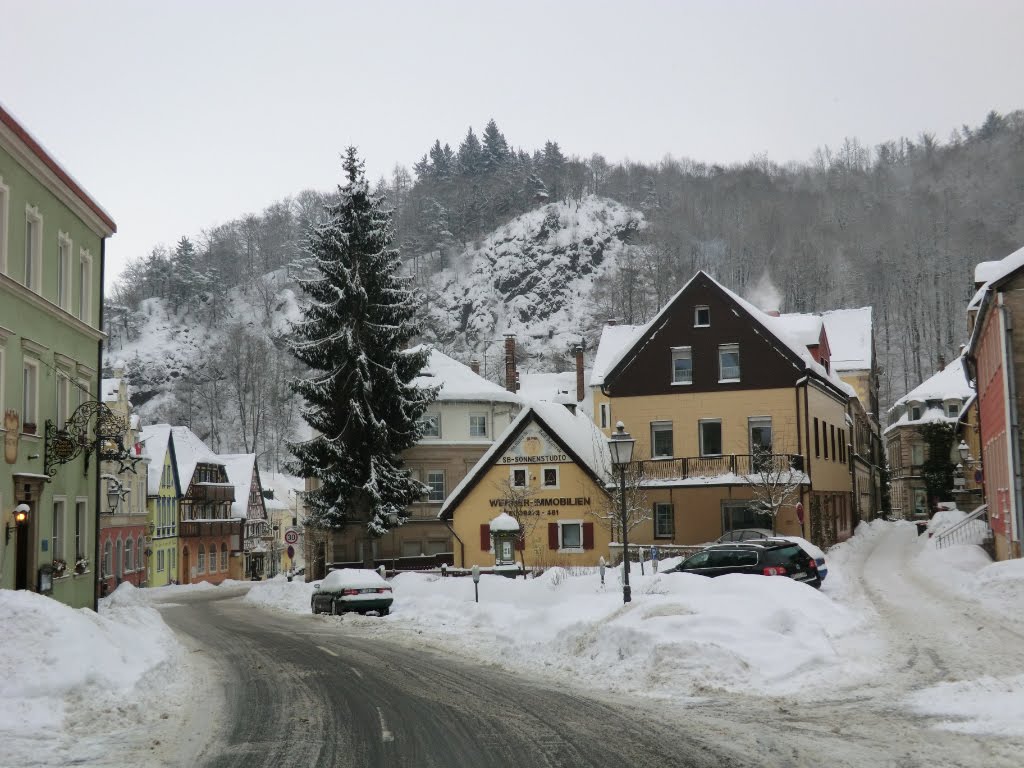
column 485, row 537
column 552, row 535
column 588, row 535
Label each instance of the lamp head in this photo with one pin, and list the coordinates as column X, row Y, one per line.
column 964, row 450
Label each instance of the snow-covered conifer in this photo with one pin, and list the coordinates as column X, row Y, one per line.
column 359, row 397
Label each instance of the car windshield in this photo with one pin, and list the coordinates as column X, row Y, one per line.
column 782, row 555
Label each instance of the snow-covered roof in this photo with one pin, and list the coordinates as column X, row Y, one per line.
column 948, row 384
column 504, row 522
column 239, row 467
column 803, row 327
column 154, row 439
column 110, row 390
column 284, row 487
column 577, row 431
column 556, row 388
column 189, row 450
column 458, row 382
column 849, row 338
column 990, row 271
column 617, row 341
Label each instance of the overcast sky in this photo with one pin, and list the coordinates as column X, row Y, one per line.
column 177, row 116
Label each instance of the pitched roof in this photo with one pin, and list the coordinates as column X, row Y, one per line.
column 239, row 468
column 803, row 327
column 190, row 450
column 849, row 338
column 458, row 382
column 155, row 439
column 584, row 443
column 110, row 390
column 948, row 384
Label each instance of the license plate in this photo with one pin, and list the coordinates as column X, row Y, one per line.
column 799, row 575
column 368, row 590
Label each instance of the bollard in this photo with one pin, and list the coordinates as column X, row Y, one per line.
column 383, row 572
column 476, row 583
column 600, row 567
column 444, row 570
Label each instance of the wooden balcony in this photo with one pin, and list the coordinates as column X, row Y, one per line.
column 205, row 492
column 693, row 467
column 195, row 528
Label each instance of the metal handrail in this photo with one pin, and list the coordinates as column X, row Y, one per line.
column 958, row 534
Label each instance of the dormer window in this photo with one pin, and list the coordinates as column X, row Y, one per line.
column 701, row 317
column 915, row 412
column 952, row 409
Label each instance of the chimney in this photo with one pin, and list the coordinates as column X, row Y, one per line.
column 511, row 375
column 610, row 321
column 578, row 350
column 474, row 366
column 942, row 362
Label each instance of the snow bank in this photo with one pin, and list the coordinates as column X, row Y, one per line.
column 279, row 593
column 988, row 705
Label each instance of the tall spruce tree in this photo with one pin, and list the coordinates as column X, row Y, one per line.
column 359, row 398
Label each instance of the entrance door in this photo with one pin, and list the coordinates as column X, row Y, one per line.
column 21, row 563
column 185, row 572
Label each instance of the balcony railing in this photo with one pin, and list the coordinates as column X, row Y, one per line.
column 689, row 467
column 193, row 528
column 205, row 492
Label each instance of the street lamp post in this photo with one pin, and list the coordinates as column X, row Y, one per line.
column 620, row 446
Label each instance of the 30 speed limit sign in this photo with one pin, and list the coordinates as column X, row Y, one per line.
column 291, row 536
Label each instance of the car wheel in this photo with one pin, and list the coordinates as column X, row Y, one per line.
column 384, row 611
column 336, row 608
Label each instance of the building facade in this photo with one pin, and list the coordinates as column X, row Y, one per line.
column 52, row 236
column 163, row 490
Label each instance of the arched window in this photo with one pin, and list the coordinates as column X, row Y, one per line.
column 223, row 557
column 129, row 555
column 118, row 562
column 201, row 559
column 106, row 567
column 213, row 558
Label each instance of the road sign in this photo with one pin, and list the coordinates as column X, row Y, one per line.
column 291, row 552
column 291, row 536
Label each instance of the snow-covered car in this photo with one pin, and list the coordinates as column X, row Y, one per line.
column 351, row 590
column 760, row 534
column 743, row 534
column 767, row 557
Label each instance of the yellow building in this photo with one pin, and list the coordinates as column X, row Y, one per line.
column 548, row 470
column 163, row 493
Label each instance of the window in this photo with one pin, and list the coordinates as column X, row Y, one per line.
column 435, row 480
column 915, row 412
column 174, row 558
column 917, row 454
column 57, row 535
column 517, row 478
column 842, row 446
column 664, row 520
column 661, row 439
column 920, row 501
column 682, row 365
column 550, row 477
column 824, row 437
column 85, row 287
column 63, row 271
column 5, row 201
column 430, row 425
column 33, row 263
column 606, row 418
column 83, row 391
column 729, row 362
column 213, row 559
column 30, row 396
column 3, row 376
column 118, row 562
column 832, row 432
column 701, row 317
column 106, row 567
column 129, row 555
column 201, row 560
column 63, row 399
column 223, row 557
column 570, row 535
column 760, row 429
column 711, row 437
column 160, row 561
column 478, row 426
column 81, row 529
column 953, row 410
column 817, row 445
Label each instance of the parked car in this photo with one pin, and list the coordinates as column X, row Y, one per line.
column 352, row 590
column 761, row 534
column 771, row 557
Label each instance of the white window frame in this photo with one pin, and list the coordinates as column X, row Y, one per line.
column 952, row 410
column 63, row 399
column 916, row 454
column 57, row 536
column 223, row 557
column 201, row 559
column 696, row 316
column 661, row 534
column 444, row 486
column 562, row 525
column 759, row 421
column 159, row 561
column 605, row 410
column 662, row 426
column 428, row 418
column 33, row 276
column 128, row 553
column 727, row 349
column 85, row 286
column 477, row 416
column 5, row 231
column 512, row 477
column 213, row 558
column 27, row 363
column 65, row 249
column 82, row 527
column 106, row 564
column 700, row 436
column 914, row 412
column 682, row 353
column 543, row 477
column 83, row 391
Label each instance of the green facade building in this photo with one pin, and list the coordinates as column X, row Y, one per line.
column 52, row 236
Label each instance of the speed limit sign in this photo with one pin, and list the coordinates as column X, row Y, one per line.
column 291, row 536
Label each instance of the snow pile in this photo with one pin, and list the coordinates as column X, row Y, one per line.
column 988, row 705
column 65, row 670
column 682, row 635
column 974, row 532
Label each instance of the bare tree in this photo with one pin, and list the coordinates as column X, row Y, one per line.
column 517, row 502
column 608, row 509
column 773, row 482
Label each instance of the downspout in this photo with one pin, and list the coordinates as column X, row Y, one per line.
column 854, row 495
column 1010, row 392
column 807, row 464
column 462, row 544
column 799, row 445
column 99, row 376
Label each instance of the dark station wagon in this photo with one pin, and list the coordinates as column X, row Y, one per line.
column 765, row 558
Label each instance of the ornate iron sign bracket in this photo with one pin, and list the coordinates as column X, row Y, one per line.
column 92, row 427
